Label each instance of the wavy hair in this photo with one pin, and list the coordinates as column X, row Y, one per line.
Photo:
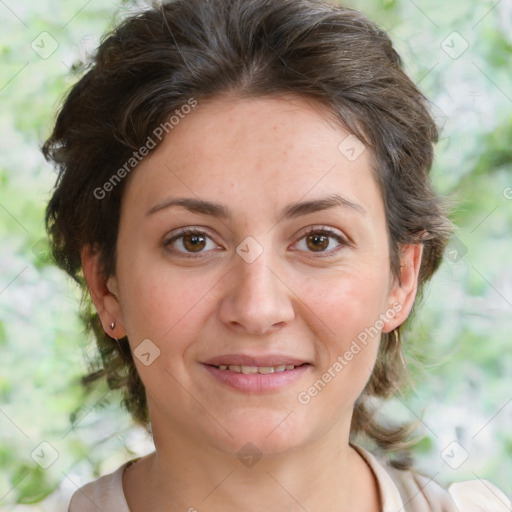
column 155, row 61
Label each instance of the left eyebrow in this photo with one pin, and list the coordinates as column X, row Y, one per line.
column 297, row 209
column 290, row 211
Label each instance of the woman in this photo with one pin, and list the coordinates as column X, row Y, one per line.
column 244, row 194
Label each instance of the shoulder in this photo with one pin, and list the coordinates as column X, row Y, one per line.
column 410, row 491
column 420, row 493
column 472, row 495
column 479, row 495
column 105, row 493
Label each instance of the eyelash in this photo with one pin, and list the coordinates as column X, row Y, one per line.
column 311, row 231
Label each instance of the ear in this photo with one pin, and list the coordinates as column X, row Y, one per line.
column 104, row 293
column 403, row 289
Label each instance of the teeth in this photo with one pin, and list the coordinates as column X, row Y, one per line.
column 256, row 369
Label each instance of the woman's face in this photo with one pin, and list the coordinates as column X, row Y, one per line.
column 278, row 255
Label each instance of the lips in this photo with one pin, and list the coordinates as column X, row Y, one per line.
column 256, row 374
column 254, row 361
column 244, row 379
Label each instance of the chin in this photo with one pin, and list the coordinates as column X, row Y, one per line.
column 272, row 434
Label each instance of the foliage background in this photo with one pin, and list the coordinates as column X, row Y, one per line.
column 460, row 55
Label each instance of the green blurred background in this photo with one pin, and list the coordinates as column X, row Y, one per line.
column 54, row 438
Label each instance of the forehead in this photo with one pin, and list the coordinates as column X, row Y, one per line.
column 243, row 150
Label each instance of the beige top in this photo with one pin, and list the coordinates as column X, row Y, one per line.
column 400, row 491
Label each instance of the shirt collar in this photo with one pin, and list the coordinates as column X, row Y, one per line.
column 391, row 501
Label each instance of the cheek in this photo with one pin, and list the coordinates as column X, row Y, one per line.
column 169, row 310
column 158, row 304
column 345, row 310
column 346, row 303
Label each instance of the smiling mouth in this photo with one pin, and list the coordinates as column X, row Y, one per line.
column 263, row 370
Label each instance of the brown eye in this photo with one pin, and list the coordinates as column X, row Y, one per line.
column 190, row 242
column 321, row 241
column 317, row 242
column 194, row 243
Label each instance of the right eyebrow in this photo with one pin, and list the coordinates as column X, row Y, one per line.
column 292, row 210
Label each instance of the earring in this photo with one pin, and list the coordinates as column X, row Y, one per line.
column 121, row 348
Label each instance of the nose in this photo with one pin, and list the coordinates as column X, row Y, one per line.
column 257, row 300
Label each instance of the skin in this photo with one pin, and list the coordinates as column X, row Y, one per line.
column 306, row 299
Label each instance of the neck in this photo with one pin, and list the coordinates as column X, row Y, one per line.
column 326, row 474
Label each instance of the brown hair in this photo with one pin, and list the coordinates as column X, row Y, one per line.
column 156, row 61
